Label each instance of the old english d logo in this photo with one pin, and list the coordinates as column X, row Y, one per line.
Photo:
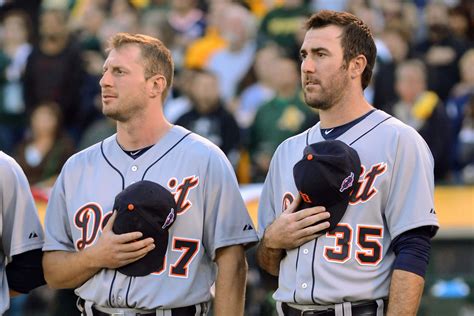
column 305, row 197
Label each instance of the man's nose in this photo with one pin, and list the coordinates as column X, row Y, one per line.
column 105, row 80
column 308, row 65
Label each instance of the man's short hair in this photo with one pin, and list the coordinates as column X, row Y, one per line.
column 156, row 57
column 356, row 38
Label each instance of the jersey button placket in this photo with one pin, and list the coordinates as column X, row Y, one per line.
column 133, row 174
column 303, row 284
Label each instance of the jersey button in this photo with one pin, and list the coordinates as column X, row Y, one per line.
column 305, row 251
column 134, row 168
column 304, row 285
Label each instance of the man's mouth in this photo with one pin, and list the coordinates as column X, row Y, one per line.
column 311, row 83
column 106, row 97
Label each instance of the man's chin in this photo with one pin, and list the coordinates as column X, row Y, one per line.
column 112, row 115
column 316, row 104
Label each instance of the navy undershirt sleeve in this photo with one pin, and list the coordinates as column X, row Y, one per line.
column 25, row 272
column 412, row 250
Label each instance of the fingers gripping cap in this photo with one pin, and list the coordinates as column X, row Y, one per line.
column 149, row 208
column 326, row 176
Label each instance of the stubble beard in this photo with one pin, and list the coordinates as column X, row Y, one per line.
column 122, row 113
column 328, row 98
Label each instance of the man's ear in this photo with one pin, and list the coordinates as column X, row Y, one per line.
column 158, row 85
column 357, row 66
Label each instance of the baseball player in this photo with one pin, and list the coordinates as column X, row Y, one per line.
column 206, row 242
column 21, row 234
column 379, row 251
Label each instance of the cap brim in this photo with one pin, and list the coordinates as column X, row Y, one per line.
column 336, row 211
column 153, row 261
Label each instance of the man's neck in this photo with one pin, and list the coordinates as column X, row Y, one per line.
column 142, row 132
column 345, row 111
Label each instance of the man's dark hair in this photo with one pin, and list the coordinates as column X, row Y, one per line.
column 356, row 38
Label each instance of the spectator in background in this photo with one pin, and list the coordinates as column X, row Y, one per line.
column 262, row 90
column 14, row 53
column 43, row 153
column 460, row 113
column 401, row 15
column 54, row 70
column 155, row 23
column 93, row 59
column 283, row 25
column 87, row 27
column 424, row 111
column 282, row 117
column 466, row 145
column 180, row 103
column 458, row 20
column 441, row 50
column 209, row 118
column 200, row 51
column 123, row 16
column 392, row 49
column 232, row 63
column 188, row 23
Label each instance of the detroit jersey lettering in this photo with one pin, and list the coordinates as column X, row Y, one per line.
column 211, row 214
column 383, row 207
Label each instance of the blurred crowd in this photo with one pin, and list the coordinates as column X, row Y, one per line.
column 237, row 74
column 237, row 78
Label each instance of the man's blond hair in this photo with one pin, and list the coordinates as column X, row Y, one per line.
column 156, row 57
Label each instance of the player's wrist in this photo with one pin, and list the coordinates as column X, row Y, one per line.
column 91, row 258
column 269, row 242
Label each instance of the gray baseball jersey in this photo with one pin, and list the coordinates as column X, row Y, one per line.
column 20, row 227
column 211, row 215
column 395, row 194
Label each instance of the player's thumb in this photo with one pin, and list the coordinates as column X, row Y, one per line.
column 109, row 221
column 294, row 205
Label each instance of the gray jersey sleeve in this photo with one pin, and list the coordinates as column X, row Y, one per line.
column 57, row 229
column 411, row 202
column 226, row 221
column 21, row 227
column 266, row 205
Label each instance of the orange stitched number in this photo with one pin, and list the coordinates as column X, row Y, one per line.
column 370, row 252
column 341, row 252
column 368, row 238
column 189, row 249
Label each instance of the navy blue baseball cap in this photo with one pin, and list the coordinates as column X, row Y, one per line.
column 326, row 176
column 147, row 207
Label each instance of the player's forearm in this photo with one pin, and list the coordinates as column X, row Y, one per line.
column 269, row 258
column 406, row 289
column 67, row 270
column 230, row 282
